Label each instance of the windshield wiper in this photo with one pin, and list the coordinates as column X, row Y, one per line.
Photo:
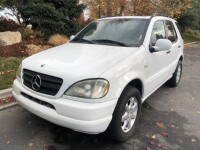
column 110, row 41
column 82, row 41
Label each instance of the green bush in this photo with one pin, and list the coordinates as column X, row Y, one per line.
column 28, row 33
column 190, row 37
column 196, row 32
column 189, row 31
column 51, row 16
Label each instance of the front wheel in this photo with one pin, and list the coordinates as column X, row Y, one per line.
column 175, row 80
column 126, row 115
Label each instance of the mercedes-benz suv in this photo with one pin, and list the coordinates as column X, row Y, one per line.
column 99, row 80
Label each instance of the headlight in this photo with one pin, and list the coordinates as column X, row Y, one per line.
column 91, row 89
column 19, row 71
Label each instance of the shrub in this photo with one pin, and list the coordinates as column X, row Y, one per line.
column 33, row 49
column 51, row 16
column 190, row 38
column 28, row 33
column 196, row 32
column 57, row 39
column 8, row 25
column 190, row 31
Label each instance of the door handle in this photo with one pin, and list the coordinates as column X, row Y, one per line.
column 179, row 46
column 168, row 52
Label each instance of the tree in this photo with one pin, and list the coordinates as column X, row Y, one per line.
column 191, row 18
column 51, row 16
column 1, row 2
column 10, row 7
column 101, row 8
column 174, row 8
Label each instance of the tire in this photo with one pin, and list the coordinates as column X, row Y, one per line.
column 176, row 77
column 121, row 131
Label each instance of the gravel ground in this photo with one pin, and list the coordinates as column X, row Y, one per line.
column 170, row 120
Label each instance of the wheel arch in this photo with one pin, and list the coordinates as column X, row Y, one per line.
column 136, row 83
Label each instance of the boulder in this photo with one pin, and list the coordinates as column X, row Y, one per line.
column 10, row 38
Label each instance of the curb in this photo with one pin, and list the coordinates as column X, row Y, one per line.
column 8, row 105
column 6, row 93
column 190, row 43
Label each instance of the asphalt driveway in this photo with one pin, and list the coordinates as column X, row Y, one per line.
column 170, row 120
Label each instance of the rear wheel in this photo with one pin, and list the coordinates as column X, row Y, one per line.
column 126, row 115
column 175, row 80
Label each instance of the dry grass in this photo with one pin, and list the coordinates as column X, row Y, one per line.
column 32, row 49
column 57, row 39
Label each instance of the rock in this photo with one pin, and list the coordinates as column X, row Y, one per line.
column 2, row 43
column 153, row 137
column 10, row 38
column 193, row 140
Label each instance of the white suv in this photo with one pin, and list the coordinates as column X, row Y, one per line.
column 99, row 80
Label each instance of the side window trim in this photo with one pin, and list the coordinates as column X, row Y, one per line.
column 163, row 21
column 167, row 34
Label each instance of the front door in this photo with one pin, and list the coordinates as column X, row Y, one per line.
column 158, row 62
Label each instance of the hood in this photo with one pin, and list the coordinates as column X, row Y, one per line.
column 74, row 62
column 78, row 59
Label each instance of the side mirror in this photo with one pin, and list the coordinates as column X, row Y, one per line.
column 72, row 37
column 162, row 45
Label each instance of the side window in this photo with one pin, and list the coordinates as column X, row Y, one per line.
column 158, row 32
column 171, row 32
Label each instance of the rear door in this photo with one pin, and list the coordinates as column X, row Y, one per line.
column 176, row 46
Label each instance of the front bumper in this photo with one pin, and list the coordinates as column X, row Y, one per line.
column 90, row 118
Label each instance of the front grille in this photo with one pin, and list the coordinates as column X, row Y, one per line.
column 49, row 85
column 38, row 101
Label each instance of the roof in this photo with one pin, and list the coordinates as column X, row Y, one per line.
column 127, row 17
column 137, row 17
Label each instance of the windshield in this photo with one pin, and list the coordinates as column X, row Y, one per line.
column 122, row 32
